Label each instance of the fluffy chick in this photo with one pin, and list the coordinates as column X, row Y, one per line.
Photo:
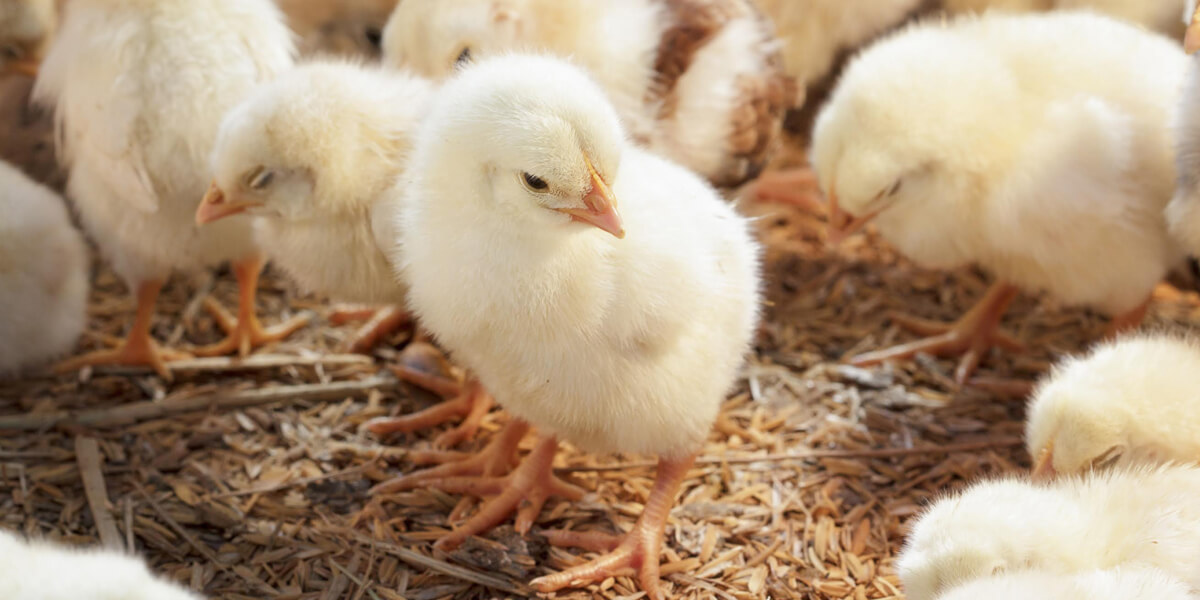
column 139, row 89
column 43, row 274
column 1183, row 213
column 620, row 332
column 1130, row 400
column 345, row 27
column 25, row 28
column 1159, row 15
column 40, row 570
column 1114, row 584
column 987, row 140
column 698, row 81
column 1136, row 517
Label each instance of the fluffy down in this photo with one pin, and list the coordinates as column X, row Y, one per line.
column 1130, row 400
column 345, row 27
column 25, row 28
column 1183, row 213
column 39, row 570
column 140, row 87
column 325, row 145
column 1036, row 146
column 43, row 274
column 613, row 344
column 1159, row 15
column 1116, row 584
column 1138, row 517
column 698, row 81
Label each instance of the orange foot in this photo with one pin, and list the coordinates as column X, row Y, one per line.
column 1128, row 321
column 380, row 322
column 473, row 404
column 797, row 187
column 971, row 336
column 245, row 333
column 138, row 348
column 638, row 550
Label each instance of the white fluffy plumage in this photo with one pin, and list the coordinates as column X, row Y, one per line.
column 1037, row 147
column 1183, row 213
column 1131, row 400
column 43, row 274
column 328, row 142
column 1159, row 15
column 700, row 82
column 40, row 570
column 623, row 345
column 1114, row 584
column 1137, row 517
column 344, row 27
column 26, row 26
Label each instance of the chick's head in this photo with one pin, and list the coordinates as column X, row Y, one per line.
column 527, row 141
column 1076, row 423
column 25, row 26
column 436, row 37
column 321, row 139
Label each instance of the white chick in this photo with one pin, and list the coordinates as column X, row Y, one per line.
column 40, row 570
column 1115, row 584
column 1183, row 213
column 1131, row 400
column 43, row 274
column 1159, row 15
column 316, row 157
column 698, row 81
column 25, row 28
column 617, row 332
column 1138, row 517
column 344, row 27
column 139, row 88
column 1191, row 18
column 991, row 140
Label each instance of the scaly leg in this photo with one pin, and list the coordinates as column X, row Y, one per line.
column 970, row 336
column 473, row 403
column 246, row 332
column 1128, row 321
column 138, row 348
column 380, row 322
column 640, row 548
column 494, row 460
column 796, row 186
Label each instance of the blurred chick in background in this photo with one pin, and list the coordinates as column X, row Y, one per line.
column 43, row 274
column 26, row 27
column 698, row 81
column 339, row 27
column 1144, row 517
column 990, row 141
column 139, row 88
column 1125, row 583
column 1132, row 400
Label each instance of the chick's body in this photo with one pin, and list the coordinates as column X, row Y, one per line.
column 40, row 570
column 1117, row 584
column 1183, row 213
column 43, row 274
column 1140, row 517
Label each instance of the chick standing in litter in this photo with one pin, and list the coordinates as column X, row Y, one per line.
column 991, row 141
column 619, row 332
column 698, row 81
column 316, row 158
column 1139, row 517
column 1126, row 583
column 139, row 88
column 1132, row 400
column 43, row 274
column 40, row 570
column 25, row 28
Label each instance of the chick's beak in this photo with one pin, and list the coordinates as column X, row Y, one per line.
column 1191, row 42
column 841, row 224
column 601, row 211
column 216, row 206
column 25, row 66
column 1043, row 469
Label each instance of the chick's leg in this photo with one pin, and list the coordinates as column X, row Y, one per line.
column 1128, row 321
column 971, row 336
column 796, row 186
column 380, row 322
column 246, row 332
column 471, row 403
column 138, row 348
column 638, row 550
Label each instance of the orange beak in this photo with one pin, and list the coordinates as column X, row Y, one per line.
column 1043, row 469
column 215, row 206
column 25, row 66
column 841, row 224
column 601, row 211
column 1191, row 41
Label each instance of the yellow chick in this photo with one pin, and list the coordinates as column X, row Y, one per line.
column 341, row 27
column 1125, row 583
column 25, row 28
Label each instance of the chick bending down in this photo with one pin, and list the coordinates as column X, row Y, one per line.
column 139, row 88
column 604, row 295
column 43, row 274
column 26, row 27
column 40, row 570
column 1124, row 583
column 1143, row 517
column 1037, row 147
column 315, row 158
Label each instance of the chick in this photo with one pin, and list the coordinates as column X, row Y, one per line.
column 1128, row 401
column 139, row 88
column 1159, row 15
column 619, row 332
column 43, row 274
column 1183, row 213
column 988, row 140
column 1138, row 517
column 1115, row 584
column 1192, row 35
column 344, row 27
column 25, row 28
column 698, row 81
column 315, row 157
column 40, row 570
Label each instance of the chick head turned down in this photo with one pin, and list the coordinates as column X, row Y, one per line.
column 24, row 29
column 1128, row 401
column 313, row 141
column 533, row 140
column 433, row 37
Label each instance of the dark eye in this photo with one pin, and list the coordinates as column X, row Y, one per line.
column 12, row 52
column 260, row 178
column 464, row 57
column 374, row 37
column 534, row 182
column 895, row 188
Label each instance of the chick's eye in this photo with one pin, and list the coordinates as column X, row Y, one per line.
column 464, row 57
column 260, row 178
column 895, row 187
column 534, row 183
column 12, row 52
column 374, row 37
